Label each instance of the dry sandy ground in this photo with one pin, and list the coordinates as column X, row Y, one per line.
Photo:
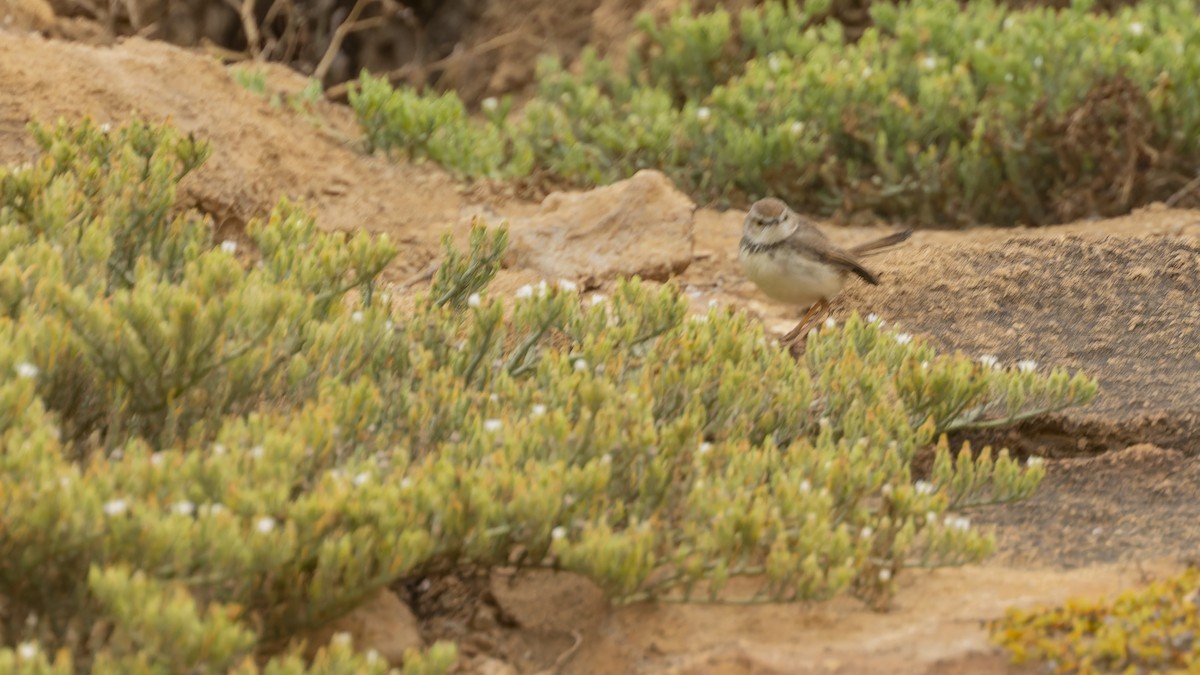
column 1117, row 298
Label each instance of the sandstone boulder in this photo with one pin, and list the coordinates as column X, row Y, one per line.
column 640, row 226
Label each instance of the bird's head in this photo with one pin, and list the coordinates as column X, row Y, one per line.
column 769, row 221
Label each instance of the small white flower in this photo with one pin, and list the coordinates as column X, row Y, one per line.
column 1026, row 366
column 698, row 318
column 214, row 509
column 567, row 286
column 156, row 459
column 712, row 304
column 924, row 365
column 989, row 361
column 885, row 575
column 265, row 524
column 27, row 650
column 105, row 128
column 538, row 410
column 1038, row 61
column 773, row 63
column 490, row 104
column 361, row 479
column 599, row 299
column 887, row 490
column 357, row 317
column 405, row 483
column 26, row 370
column 979, row 44
column 473, row 300
column 371, row 656
column 923, row 488
column 930, row 518
column 606, row 459
column 703, row 113
column 115, row 507
column 65, row 481
column 929, row 62
column 866, row 533
column 492, row 426
column 218, row 449
column 388, row 326
column 257, row 452
column 229, row 246
column 525, row 292
column 342, row 639
column 830, row 323
column 1008, row 77
column 1137, row 28
column 866, row 72
column 958, row 523
column 805, row 486
column 797, row 128
column 872, row 317
column 183, row 508
column 558, row 533
column 542, row 289
column 705, row 448
column 1034, row 462
column 903, row 338
column 117, row 455
column 494, row 398
column 581, row 365
column 1009, row 22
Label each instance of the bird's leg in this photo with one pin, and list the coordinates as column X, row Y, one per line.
column 811, row 319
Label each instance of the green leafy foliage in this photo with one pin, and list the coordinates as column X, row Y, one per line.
column 208, row 450
column 1146, row 630
column 942, row 112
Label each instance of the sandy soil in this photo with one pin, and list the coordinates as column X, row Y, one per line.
column 1117, row 298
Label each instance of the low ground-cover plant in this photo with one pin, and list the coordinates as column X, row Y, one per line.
column 1147, row 630
column 207, row 451
column 938, row 113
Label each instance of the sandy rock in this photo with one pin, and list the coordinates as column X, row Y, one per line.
column 549, row 601
column 640, row 226
column 26, row 15
column 383, row 623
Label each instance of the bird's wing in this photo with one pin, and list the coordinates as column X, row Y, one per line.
column 848, row 261
column 812, row 243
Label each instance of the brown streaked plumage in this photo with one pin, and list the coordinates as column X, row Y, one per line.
column 792, row 261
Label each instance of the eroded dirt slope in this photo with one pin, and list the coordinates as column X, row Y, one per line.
column 260, row 152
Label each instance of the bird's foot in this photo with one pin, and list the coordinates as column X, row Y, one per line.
column 799, row 334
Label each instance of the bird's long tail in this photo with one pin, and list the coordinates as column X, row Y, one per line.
column 880, row 245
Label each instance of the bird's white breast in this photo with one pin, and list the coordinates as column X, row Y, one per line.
column 787, row 277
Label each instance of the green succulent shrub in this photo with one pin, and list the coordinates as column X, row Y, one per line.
column 939, row 113
column 1152, row 629
column 209, row 449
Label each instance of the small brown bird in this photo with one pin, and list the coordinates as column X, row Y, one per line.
column 792, row 261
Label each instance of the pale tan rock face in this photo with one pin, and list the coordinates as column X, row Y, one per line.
column 640, row 226
column 26, row 15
